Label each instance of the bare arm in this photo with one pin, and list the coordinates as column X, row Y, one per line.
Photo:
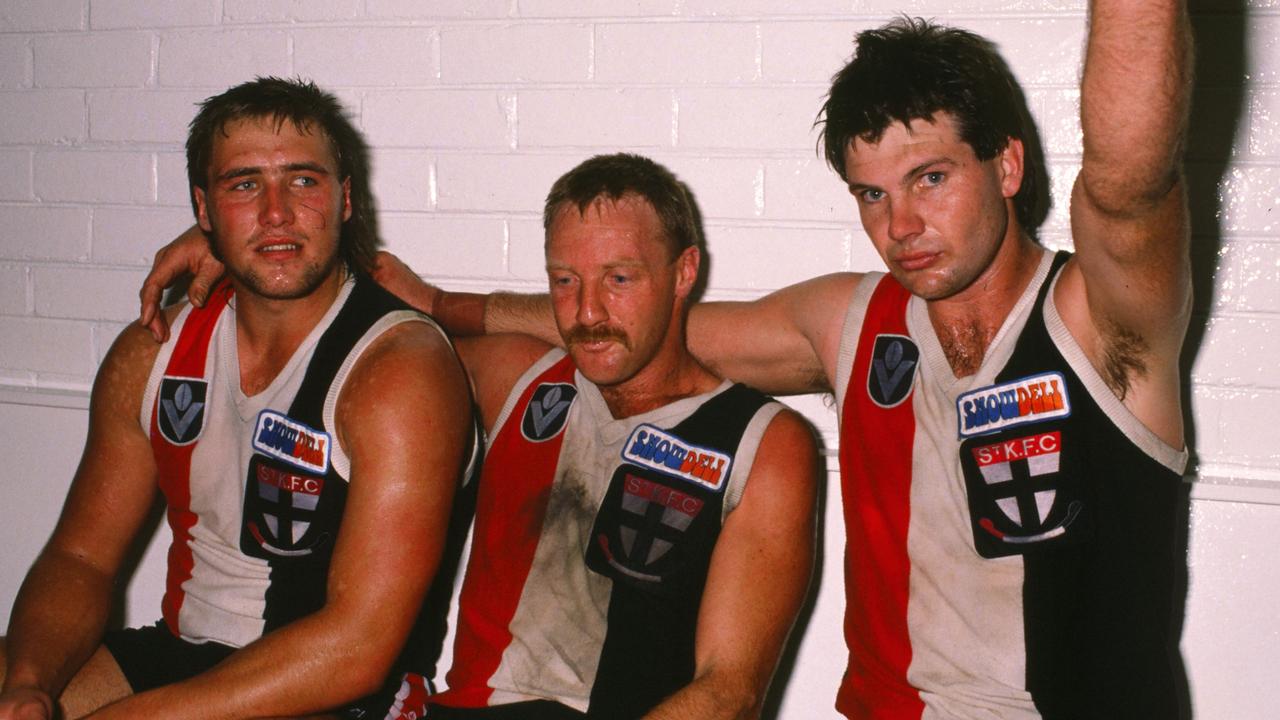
column 783, row 343
column 1127, row 296
column 62, row 608
column 403, row 418
column 494, row 363
column 758, row 578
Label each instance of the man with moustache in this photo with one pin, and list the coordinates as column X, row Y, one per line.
column 307, row 430
column 644, row 529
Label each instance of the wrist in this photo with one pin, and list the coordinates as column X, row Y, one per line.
column 460, row 313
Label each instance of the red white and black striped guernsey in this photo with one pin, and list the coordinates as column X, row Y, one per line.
column 591, row 545
column 1013, row 545
column 256, row 486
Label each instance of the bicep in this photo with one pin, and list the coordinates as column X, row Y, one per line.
column 115, row 482
column 782, row 343
column 1135, row 265
column 764, row 557
column 404, row 419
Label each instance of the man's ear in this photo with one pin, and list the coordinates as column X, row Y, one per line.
column 1011, row 167
column 346, row 198
column 202, row 209
column 687, row 264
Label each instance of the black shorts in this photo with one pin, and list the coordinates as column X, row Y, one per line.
column 151, row 657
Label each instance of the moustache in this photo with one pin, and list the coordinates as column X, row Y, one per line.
column 579, row 334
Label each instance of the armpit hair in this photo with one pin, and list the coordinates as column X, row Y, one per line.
column 1123, row 358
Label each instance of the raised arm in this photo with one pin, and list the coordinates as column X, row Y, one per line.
column 62, row 608
column 403, row 418
column 1128, row 206
column 1127, row 296
column 757, row 581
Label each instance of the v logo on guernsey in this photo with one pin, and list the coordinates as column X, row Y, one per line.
column 180, row 412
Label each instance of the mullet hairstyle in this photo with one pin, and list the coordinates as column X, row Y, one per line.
column 911, row 69
column 307, row 108
column 620, row 174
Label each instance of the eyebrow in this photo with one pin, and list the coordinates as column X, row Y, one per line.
column 856, row 187
column 257, row 170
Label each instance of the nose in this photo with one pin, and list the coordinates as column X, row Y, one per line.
column 904, row 220
column 276, row 207
column 591, row 309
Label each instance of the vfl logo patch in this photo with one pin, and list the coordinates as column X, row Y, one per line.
column 1027, row 400
column 654, row 517
column 893, row 369
column 548, row 411
column 180, row 412
column 280, row 509
column 654, row 448
column 1019, row 495
column 279, row 437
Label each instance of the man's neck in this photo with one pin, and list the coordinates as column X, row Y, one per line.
column 660, row 383
column 967, row 322
column 269, row 331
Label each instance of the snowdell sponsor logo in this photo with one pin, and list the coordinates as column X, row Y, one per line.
column 1026, row 400
column 279, row 437
column 654, row 448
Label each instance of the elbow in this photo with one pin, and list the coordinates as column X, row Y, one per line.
column 361, row 667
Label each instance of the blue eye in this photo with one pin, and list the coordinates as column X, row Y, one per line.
column 872, row 196
column 934, row 178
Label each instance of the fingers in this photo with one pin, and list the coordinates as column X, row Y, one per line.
column 207, row 275
column 188, row 253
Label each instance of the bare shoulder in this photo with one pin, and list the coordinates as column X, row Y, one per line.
column 407, row 355
column 122, row 377
column 788, row 454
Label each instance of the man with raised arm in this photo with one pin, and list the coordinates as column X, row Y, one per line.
column 1011, row 428
column 307, row 430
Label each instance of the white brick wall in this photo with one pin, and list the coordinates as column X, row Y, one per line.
column 473, row 107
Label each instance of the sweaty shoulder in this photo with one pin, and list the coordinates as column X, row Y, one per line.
column 122, row 378
column 407, row 380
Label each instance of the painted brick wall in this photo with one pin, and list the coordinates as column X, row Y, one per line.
column 473, row 107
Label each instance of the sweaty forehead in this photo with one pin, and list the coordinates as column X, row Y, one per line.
column 903, row 144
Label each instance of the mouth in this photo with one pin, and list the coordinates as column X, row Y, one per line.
column 916, row 260
column 279, row 249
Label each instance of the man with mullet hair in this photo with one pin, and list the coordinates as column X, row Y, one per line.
column 284, row 423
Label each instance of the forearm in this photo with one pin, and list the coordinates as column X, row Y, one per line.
column 56, row 624
column 507, row 312
column 1135, row 97
column 309, row 666
column 713, row 696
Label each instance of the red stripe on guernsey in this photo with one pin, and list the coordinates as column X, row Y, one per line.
column 510, row 509
column 173, row 462
column 875, row 470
